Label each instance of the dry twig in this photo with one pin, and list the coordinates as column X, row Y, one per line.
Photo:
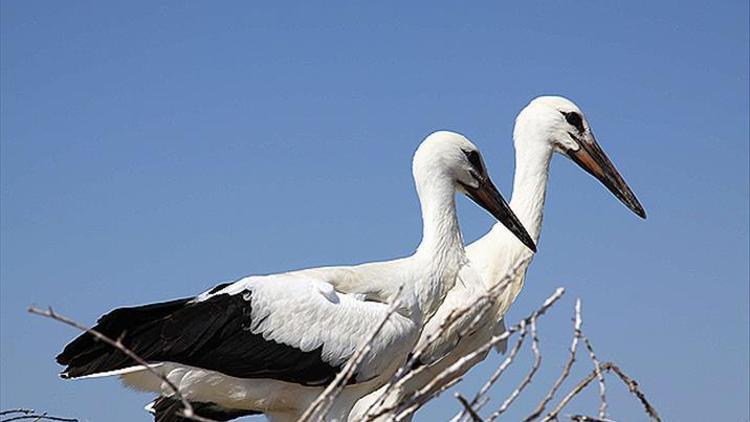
column 480, row 399
column 605, row 367
column 584, row 418
column 527, row 380
column 447, row 377
column 599, row 376
column 503, row 366
column 566, row 368
column 480, row 306
column 469, row 410
column 17, row 410
column 187, row 411
column 416, row 404
column 320, row 407
column 31, row 414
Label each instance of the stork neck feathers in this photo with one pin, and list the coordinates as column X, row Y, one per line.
column 498, row 252
column 441, row 235
column 530, row 185
column 441, row 252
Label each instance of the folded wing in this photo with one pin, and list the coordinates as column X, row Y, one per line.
column 282, row 327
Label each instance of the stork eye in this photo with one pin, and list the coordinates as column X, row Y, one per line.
column 476, row 160
column 574, row 119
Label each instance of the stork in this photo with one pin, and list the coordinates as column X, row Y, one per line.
column 271, row 343
column 547, row 125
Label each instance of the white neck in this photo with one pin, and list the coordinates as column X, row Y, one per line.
column 530, row 188
column 498, row 251
column 441, row 253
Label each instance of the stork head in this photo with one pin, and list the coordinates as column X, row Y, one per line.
column 556, row 124
column 447, row 160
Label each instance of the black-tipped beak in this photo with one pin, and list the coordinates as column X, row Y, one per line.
column 592, row 159
column 487, row 196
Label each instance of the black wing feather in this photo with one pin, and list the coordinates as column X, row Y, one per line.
column 212, row 334
column 114, row 324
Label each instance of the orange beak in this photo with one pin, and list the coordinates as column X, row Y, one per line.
column 592, row 158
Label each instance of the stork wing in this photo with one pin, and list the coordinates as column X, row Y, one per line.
column 282, row 327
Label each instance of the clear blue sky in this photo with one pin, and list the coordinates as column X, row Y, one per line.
column 151, row 149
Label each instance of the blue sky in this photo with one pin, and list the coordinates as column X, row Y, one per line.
column 150, row 150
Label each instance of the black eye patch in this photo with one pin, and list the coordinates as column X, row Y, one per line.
column 476, row 160
column 574, row 119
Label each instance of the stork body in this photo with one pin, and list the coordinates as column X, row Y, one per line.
column 548, row 125
column 270, row 344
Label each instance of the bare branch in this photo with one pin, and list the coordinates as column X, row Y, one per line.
column 187, row 411
column 482, row 303
column 460, row 365
column 606, row 367
column 320, row 407
column 633, row 387
column 416, row 404
column 31, row 414
column 503, row 366
column 447, row 377
column 527, row 380
column 600, row 377
column 480, row 306
column 469, row 409
column 405, row 372
column 566, row 368
column 584, row 418
column 17, row 410
column 39, row 417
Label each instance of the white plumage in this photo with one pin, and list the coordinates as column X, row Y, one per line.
column 271, row 343
column 545, row 126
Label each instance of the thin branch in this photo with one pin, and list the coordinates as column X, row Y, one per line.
column 447, row 376
column 39, row 417
column 482, row 303
column 600, row 377
column 31, row 414
column 577, row 321
column 574, row 392
column 500, row 370
column 469, row 409
column 527, row 380
column 633, row 387
column 530, row 320
column 584, row 418
column 187, row 411
column 480, row 306
column 17, row 410
column 460, row 366
column 318, row 409
column 606, row 367
column 415, row 405
column 405, row 372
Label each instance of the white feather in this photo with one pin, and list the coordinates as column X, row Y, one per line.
column 337, row 307
column 540, row 131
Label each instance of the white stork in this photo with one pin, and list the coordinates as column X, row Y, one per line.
column 271, row 343
column 547, row 125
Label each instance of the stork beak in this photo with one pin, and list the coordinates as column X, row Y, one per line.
column 592, row 159
column 487, row 196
